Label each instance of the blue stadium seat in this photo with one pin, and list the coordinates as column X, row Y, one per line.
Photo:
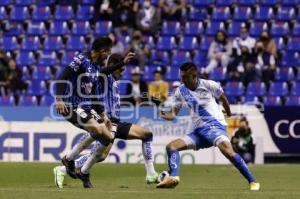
column 25, row 73
column 246, row 2
column 288, row 59
column 47, row 100
column 205, row 43
column 234, row 29
column 6, row 2
column 149, row 42
column 293, row 44
column 234, row 89
column 25, row 58
column 36, row 29
column 250, row 99
column 36, row 87
column 166, row 43
column 19, row 13
column 9, row 43
column 162, row 57
column 272, row 101
column 290, row 2
column 298, row 75
column 197, row 14
column 81, row 28
column 68, row 57
column 256, row 89
column 48, row 58
column 284, row 74
column 296, row 30
column 257, row 27
column 24, row 2
column 280, row 45
column 45, row 2
column 53, row 43
column 172, row 73
column 278, row 89
column 84, row 13
column 242, row 13
column 188, row 43
column 31, row 43
column 88, row 2
column 296, row 89
column 3, row 14
column 14, row 29
column 293, row 101
column 63, row 13
column 103, row 27
column 28, row 100
column 268, row 2
column 218, row 74
column 285, row 14
column 41, row 13
column 203, row 3
column 221, row 13
column 264, row 13
column 76, row 43
column 180, row 57
column 200, row 58
column 59, row 28
column 225, row 2
column 213, row 27
column 170, row 28
column 42, row 73
column 193, row 28
column 279, row 29
column 7, row 101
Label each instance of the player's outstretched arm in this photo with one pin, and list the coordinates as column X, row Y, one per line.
column 225, row 104
column 126, row 60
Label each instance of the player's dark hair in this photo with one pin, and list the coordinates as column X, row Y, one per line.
column 101, row 43
column 114, row 59
column 187, row 66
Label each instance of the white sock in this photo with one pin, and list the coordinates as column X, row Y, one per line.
column 63, row 169
column 92, row 158
column 83, row 143
column 79, row 162
column 148, row 157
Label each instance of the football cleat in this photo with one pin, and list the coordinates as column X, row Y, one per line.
column 169, row 182
column 152, row 179
column 254, row 186
column 70, row 167
column 85, row 178
column 59, row 177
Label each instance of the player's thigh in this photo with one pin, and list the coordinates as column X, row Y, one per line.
column 138, row 132
column 178, row 144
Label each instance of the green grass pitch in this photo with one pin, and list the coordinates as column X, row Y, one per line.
column 35, row 181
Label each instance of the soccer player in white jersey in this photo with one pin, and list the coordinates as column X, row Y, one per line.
column 200, row 97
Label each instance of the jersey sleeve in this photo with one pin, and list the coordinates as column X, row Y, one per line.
column 76, row 63
column 215, row 88
column 177, row 101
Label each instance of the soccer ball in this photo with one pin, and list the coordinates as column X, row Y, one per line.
column 162, row 176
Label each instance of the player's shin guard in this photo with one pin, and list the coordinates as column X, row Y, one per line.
column 240, row 164
column 92, row 158
column 82, row 144
column 148, row 156
column 173, row 161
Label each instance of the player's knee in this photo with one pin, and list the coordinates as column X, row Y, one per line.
column 171, row 146
column 148, row 136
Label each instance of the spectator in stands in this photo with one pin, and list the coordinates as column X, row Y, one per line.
column 172, row 9
column 265, row 63
column 219, row 52
column 13, row 78
column 159, row 88
column 243, row 40
column 242, row 141
column 3, row 69
column 136, row 90
column 269, row 43
column 139, row 47
column 148, row 18
column 124, row 17
column 118, row 47
column 104, row 9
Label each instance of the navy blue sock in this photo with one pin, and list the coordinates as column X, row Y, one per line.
column 173, row 161
column 240, row 164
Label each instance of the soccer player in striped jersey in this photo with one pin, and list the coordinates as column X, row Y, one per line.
column 75, row 88
column 122, row 130
column 209, row 123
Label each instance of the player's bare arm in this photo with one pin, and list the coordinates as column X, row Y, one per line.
column 225, row 104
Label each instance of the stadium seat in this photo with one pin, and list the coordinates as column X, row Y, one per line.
column 59, row 28
column 264, row 13
column 7, row 101
column 3, row 14
column 172, row 73
column 284, row 74
column 53, row 43
column 213, row 27
column 225, row 2
column 166, row 43
column 9, row 43
column 293, row 44
column 193, row 28
column 88, row 2
column 218, row 74
column 28, row 101
column 203, row 3
column 14, row 29
column 221, row 13
column 41, row 13
column 19, row 13
column 290, row 2
column 256, row 89
column 288, row 58
column 188, row 43
column 234, row 29
column 31, row 43
column 246, row 2
column 25, row 58
column 6, row 2
column 25, row 73
column 200, row 58
column 170, row 28
column 279, row 29
column 285, row 14
column 296, row 30
column 234, row 89
column 63, row 13
column 197, row 14
column 36, row 29
column 278, row 89
column 81, row 28
column 279, row 41
column 149, row 42
column 250, row 99
column 272, row 101
column 24, row 2
column 257, row 27
column 47, row 100
column 162, row 57
column 293, row 101
column 84, row 13
column 68, row 57
column 296, row 89
column 36, row 87
column 205, row 43
column 268, row 2
column 45, row 2
column 47, row 58
column 103, row 27
column 180, row 57
column 242, row 13
column 42, row 73
column 76, row 43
